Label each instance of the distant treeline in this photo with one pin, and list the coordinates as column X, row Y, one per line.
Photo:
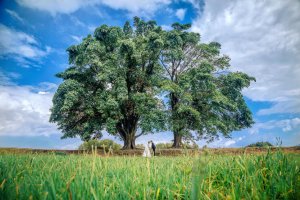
column 260, row 144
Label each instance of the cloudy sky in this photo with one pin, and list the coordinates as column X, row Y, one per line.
column 261, row 37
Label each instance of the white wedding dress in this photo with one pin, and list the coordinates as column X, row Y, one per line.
column 147, row 152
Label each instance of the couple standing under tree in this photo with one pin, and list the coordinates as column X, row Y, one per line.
column 147, row 152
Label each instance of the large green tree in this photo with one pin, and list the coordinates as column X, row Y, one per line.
column 205, row 99
column 112, row 84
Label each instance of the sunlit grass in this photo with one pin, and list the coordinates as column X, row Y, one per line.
column 34, row 176
column 269, row 176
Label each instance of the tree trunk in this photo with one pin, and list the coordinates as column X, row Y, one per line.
column 177, row 141
column 177, row 137
column 127, row 129
column 129, row 141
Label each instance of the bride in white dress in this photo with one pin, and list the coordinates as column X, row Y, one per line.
column 147, row 152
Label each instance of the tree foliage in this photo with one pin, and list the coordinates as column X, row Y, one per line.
column 119, row 77
column 112, row 84
column 205, row 99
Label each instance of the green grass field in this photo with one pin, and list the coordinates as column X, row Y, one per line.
column 37, row 176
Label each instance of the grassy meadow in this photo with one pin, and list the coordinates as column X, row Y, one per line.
column 49, row 176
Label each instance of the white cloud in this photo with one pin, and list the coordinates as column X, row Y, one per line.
column 262, row 39
column 135, row 7
column 76, row 38
column 196, row 4
column 92, row 28
column 20, row 44
column 47, row 86
column 77, row 22
column 229, row 142
column 25, row 112
column 180, row 13
column 7, row 78
column 166, row 27
column 15, row 15
column 286, row 125
column 222, row 142
column 57, row 6
column 42, row 92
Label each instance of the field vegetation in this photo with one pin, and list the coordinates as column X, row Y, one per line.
column 89, row 176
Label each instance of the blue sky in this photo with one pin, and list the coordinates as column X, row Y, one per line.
column 261, row 37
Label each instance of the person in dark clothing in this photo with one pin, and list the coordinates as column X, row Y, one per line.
column 153, row 147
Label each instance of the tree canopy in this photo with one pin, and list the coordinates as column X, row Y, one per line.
column 137, row 80
column 204, row 98
column 112, row 84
